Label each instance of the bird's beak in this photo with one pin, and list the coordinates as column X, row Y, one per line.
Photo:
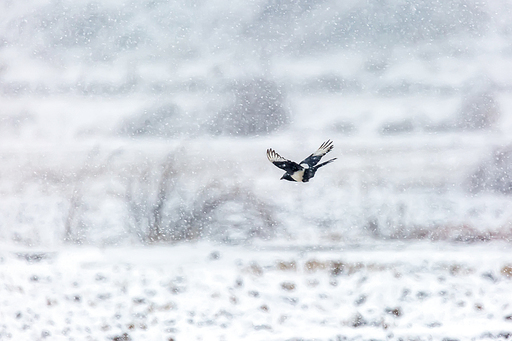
column 282, row 178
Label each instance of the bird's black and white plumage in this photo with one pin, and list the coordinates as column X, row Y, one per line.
column 306, row 169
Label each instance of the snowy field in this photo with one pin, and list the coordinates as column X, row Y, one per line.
column 137, row 203
column 200, row 291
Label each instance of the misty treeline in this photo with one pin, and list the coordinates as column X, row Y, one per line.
column 145, row 46
column 181, row 31
column 228, row 54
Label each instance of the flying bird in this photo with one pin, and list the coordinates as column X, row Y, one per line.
column 306, row 169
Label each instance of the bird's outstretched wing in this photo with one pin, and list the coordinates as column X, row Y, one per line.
column 281, row 162
column 313, row 159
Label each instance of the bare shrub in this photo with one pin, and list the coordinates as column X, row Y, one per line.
column 148, row 189
column 15, row 122
column 455, row 233
column 158, row 121
column 396, row 224
column 74, row 225
column 344, row 128
column 146, row 194
column 162, row 209
column 331, row 83
column 155, row 201
column 94, row 208
column 398, row 127
column 494, row 173
column 223, row 213
column 479, row 111
column 258, row 108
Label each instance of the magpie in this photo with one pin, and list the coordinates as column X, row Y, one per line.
column 306, row 169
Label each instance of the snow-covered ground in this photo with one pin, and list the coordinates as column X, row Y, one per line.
column 200, row 291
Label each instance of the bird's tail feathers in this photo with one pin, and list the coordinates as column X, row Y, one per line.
column 324, row 163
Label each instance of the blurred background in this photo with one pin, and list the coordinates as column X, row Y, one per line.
column 137, row 122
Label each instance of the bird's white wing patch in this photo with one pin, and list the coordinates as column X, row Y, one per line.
column 274, row 157
column 324, row 148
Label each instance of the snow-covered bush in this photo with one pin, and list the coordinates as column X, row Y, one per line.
column 494, row 173
column 158, row 205
column 165, row 206
column 13, row 123
column 160, row 122
column 398, row 127
column 258, row 107
column 331, row 83
column 479, row 111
